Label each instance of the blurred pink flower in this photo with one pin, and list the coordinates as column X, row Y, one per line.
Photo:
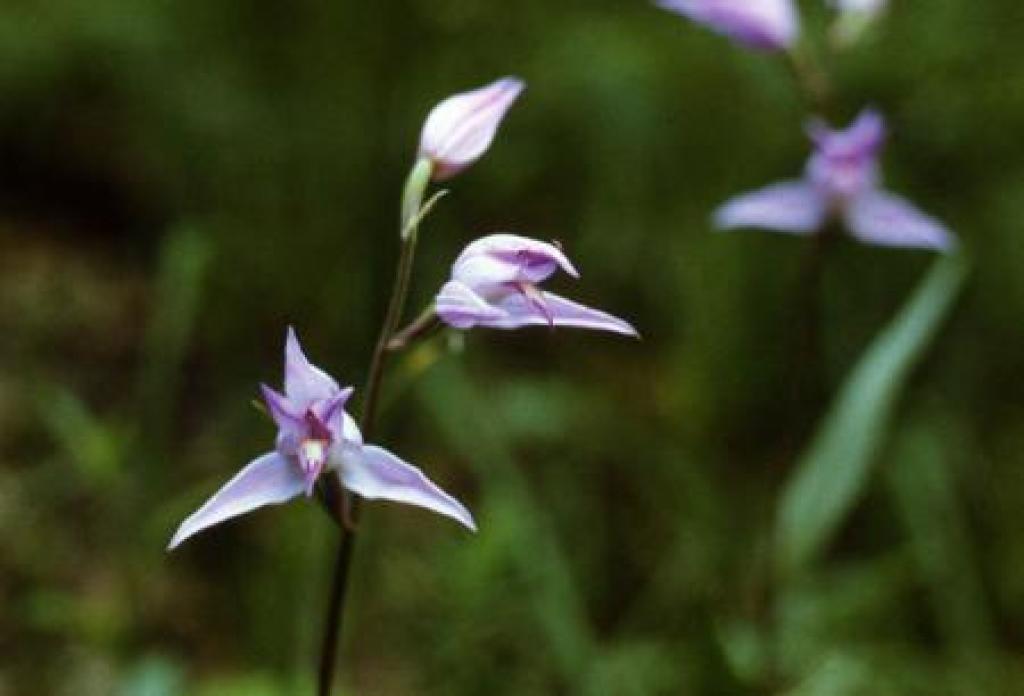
column 316, row 435
column 841, row 179
column 769, row 25
column 494, row 284
column 460, row 129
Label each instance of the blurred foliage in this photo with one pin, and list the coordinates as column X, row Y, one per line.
column 180, row 180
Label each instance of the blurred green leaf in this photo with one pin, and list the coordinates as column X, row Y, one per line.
column 184, row 260
column 243, row 685
column 834, row 471
column 153, row 676
column 93, row 445
column 467, row 423
column 925, row 491
column 841, row 675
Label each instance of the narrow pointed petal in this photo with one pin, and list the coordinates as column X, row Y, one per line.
column 791, row 206
column 458, row 306
column 327, row 410
column 287, row 418
column 878, row 217
column 559, row 311
column 376, row 474
column 769, row 25
column 864, row 136
column 267, row 480
column 304, row 382
column 459, row 130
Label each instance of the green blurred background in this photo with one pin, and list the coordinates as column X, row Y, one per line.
column 181, row 180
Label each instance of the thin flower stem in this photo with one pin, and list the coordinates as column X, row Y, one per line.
column 421, row 327
column 413, row 212
column 813, row 80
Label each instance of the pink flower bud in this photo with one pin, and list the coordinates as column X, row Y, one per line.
column 460, row 129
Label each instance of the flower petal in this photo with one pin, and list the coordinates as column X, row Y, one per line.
column 862, row 138
column 266, row 480
column 878, row 217
column 461, row 128
column 328, row 410
column 376, row 474
column 285, row 415
column 499, row 259
column 759, row 24
column 304, row 382
column 458, row 306
column 790, row 206
column 556, row 310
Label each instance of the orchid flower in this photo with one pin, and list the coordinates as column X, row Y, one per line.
column 841, row 180
column 766, row 25
column 317, row 437
column 459, row 130
column 494, row 284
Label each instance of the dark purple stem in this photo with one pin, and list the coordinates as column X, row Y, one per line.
column 412, row 199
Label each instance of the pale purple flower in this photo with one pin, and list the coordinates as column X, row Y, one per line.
column 460, row 129
column 494, row 284
column 317, row 437
column 841, row 179
column 768, row 25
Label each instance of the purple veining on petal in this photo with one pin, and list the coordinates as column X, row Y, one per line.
column 499, row 259
column 458, row 306
column 522, row 311
column 459, row 130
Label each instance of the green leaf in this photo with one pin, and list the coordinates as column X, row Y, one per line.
column 923, row 482
column 467, row 422
column 184, row 261
column 835, row 469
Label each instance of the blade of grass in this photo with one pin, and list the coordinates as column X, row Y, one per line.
column 465, row 423
column 835, row 469
column 184, row 261
column 923, row 485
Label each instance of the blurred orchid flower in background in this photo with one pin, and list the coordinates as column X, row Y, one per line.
column 494, row 284
column 316, row 435
column 854, row 18
column 767, row 25
column 459, row 130
column 841, row 179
